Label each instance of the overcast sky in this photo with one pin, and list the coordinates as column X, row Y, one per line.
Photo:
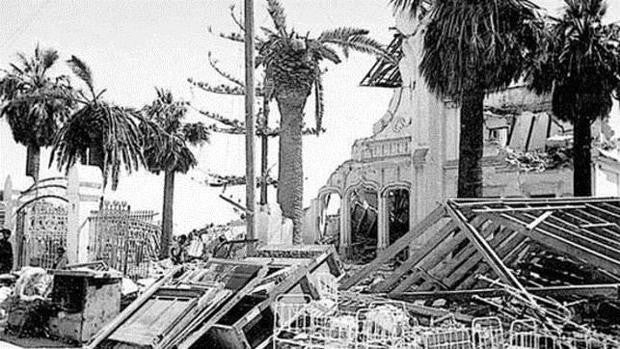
column 133, row 46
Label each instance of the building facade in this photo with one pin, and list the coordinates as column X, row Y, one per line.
column 414, row 150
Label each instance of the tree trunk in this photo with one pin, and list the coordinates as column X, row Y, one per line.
column 471, row 145
column 582, row 157
column 291, row 103
column 33, row 161
column 166, row 221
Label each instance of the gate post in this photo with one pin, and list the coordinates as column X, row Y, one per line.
column 73, row 214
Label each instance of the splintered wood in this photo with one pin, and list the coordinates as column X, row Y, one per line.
column 480, row 255
column 226, row 303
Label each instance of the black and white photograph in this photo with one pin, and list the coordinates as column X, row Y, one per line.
column 310, row 174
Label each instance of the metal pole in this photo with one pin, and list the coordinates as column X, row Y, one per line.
column 249, row 119
column 264, row 142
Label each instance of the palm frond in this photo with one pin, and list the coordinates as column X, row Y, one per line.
column 276, row 11
column 413, row 7
column 114, row 129
column 196, row 133
column 34, row 103
column 81, row 70
column 167, row 138
column 355, row 39
column 49, row 57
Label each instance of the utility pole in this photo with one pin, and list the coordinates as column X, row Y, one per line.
column 250, row 203
column 264, row 143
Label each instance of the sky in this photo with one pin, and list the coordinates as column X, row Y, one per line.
column 134, row 46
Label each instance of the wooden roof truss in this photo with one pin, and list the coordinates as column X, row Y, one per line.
column 568, row 244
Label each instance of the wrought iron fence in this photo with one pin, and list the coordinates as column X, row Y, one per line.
column 41, row 230
column 126, row 240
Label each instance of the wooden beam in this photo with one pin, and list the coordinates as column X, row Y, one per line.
column 458, row 266
column 539, row 220
column 597, row 225
column 511, row 248
column 527, row 209
column 464, row 202
column 604, row 211
column 487, row 252
column 437, row 255
column 563, row 245
column 501, row 243
column 395, row 248
column 575, row 237
column 430, row 312
column 610, row 291
column 415, row 256
column 107, row 330
column 196, row 331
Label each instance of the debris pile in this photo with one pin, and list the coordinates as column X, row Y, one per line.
column 539, row 161
column 555, row 262
column 221, row 302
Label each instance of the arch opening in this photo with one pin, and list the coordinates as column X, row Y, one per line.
column 364, row 203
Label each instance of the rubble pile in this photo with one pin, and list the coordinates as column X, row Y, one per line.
column 539, row 161
column 555, row 262
column 224, row 303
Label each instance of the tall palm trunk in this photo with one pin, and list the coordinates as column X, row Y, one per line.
column 291, row 103
column 33, row 161
column 582, row 161
column 166, row 221
column 471, row 145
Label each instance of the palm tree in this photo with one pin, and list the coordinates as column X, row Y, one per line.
column 33, row 103
column 579, row 64
column 472, row 47
column 98, row 128
column 292, row 70
column 166, row 148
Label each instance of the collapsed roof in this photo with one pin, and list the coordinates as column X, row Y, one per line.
column 523, row 242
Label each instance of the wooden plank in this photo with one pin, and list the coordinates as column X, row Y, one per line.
column 197, row 330
column 456, row 264
column 586, row 233
column 590, row 221
column 207, row 305
column 465, row 202
column 509, row 247
column 487, row 252
column 615, row 210
column 604, row 211
column 539, row 220
column 610, row 291
column 563, row 245
column 395, row 248
column 575, row 237
column 527, row 209
column 439, row 254
column 415, row 256
column 105, row 331
column 430, row 312
column 435, row 257
column 500, row 243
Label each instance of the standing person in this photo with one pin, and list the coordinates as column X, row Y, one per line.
column 178, row 252
column 61, row 258
column 6, row 252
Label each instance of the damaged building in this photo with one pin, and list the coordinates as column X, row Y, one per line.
column 396, row 176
